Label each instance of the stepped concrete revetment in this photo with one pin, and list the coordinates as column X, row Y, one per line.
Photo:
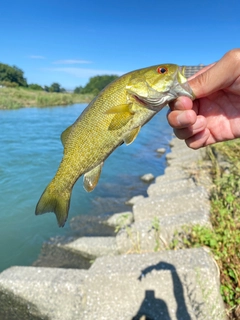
column 133, row 275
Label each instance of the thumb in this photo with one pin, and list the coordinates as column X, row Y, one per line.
column 216, row 76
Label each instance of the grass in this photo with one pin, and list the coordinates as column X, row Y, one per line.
column 14, row 98
column 224, row 238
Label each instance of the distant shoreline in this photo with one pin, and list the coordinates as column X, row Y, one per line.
column 16, row 98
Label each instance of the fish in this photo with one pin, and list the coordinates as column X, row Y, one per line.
column 115, row 116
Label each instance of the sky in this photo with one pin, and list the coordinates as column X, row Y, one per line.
column 70, row 41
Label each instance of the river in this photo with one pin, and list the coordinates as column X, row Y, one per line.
column 30, row 152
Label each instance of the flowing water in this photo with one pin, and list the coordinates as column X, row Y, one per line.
column 30, row 152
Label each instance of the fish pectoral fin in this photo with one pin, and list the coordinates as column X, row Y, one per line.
column 91, row 178
column 65, row 134
column 120, row 120
column 130, row 137
column 121, row 108
column 122, row 114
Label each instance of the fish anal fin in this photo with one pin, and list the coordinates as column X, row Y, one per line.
column 65, row 134
column 130, row 137
column 91, row 178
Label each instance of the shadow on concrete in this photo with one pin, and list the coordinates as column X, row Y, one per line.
column 153, row 308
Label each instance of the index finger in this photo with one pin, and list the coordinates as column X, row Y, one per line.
column 181, row 103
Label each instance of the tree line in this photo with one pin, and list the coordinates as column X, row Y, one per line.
column 96, row 84
column 14, row 77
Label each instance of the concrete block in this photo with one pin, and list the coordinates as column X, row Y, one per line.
column 169, row 205
column 171, row 285
column 157, row 233
column 134, row 200
column 120, row 219
column 93, row 247
column 59, row 256
column 177, row 186
column 28, row 293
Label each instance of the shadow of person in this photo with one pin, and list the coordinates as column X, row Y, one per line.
column 154, row 308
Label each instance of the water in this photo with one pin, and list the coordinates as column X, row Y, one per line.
column 30, row 154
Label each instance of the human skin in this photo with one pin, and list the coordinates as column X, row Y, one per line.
column 214, row 115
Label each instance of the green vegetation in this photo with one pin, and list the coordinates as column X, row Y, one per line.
column 96, row 84
column 11, row 76
column 16, row 93
column 224, row 238
column 55, row 87
column 35, row 86
column 14, row 98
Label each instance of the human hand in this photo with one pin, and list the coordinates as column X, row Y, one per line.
column 214, row 115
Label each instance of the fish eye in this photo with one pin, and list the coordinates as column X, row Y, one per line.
column 162, row 70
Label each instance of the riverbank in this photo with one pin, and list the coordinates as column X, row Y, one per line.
column 136, row 267
column 217, row 228
column 15, row 98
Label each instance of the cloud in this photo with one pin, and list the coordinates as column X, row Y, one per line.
column 72, row 61
column 85, row 73
column 36, row 57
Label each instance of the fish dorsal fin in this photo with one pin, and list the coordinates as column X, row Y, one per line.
column 65, row 134
column 91, row 178
column 122, row 114
column 130, row 137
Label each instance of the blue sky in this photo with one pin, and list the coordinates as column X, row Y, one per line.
column 70, row 41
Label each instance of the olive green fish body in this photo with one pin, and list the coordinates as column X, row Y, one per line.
column 114, row 117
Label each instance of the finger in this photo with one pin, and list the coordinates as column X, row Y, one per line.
column 201, row 71
column 199, row 140
column 181, row 119
column 190, row 131
column 181, row 103
column 218, row 76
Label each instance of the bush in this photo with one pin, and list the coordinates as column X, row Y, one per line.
column 35, row 86
column 8, row 84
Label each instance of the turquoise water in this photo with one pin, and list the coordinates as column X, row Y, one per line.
column 30, row 154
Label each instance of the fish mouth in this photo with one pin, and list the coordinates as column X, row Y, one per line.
column 182, row 70
column 139, row 100
column 185, row 90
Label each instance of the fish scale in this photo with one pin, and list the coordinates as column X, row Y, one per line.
column 114, row 117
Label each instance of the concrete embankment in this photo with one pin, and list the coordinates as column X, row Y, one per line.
column 128, row 278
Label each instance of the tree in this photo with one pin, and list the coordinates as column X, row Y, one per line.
column 12, row 75
column 96, row 84
column 78, row 90
column 55, row 87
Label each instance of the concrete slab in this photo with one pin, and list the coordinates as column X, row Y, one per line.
column 93, row 247
column 159, row 189
column 28, row 293
column 120, row 219
column 168, row 205
column 149, row 235
column 171, row 285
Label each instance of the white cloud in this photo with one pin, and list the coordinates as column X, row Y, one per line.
column 72, row 61
column 85, row 73
column 36, row 57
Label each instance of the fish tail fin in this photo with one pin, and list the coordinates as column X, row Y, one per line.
column 53, row 201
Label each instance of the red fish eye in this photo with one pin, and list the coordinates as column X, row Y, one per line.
column 162, row 70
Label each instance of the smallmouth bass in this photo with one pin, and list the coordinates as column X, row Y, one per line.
column 114, row 117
